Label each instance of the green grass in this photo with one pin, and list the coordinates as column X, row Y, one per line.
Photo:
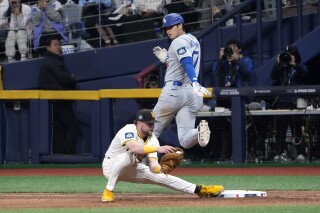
column 92, row 184
column 218, row 209
column 96, row 184
column 184, row 165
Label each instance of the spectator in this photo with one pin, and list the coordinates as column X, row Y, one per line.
column 139, row 20
column 142, row 76
column 148, row 78
column 46, row 19
column 72, row 14
column 287, row 71
column 209, row 11
column 149, row 8
column 18, row 15
column 232, row 69
column 96, row 15
column 187, row 9
column 124, row 21
column 4, row 5
column 54, row 75
column 103, row 23
column 132, row 157
column 152, row 81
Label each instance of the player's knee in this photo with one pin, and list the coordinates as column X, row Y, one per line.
column 185, row 145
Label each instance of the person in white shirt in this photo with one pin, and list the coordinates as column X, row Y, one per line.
column 4, row 5
column 18, row 15
column 149, row 7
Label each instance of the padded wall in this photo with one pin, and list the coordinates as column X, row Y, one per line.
column 89, row 66
column 115, row 67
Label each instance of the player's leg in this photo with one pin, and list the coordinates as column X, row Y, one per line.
column 112, row 168
column 167, row 106
column 185, row 119
column 142, row 174
column 187, row 134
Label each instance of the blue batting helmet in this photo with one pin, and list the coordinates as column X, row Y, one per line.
column 172, row 19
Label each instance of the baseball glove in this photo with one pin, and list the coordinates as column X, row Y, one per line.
column 171, row 160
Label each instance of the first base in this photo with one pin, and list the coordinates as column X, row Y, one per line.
column 241, row 194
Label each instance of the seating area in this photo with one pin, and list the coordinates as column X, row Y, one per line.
column 94, row 24
column 89, row 25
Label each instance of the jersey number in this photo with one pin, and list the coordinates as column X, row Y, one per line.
column 195, row 58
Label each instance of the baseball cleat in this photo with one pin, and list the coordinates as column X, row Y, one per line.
column 107, row 196
column 203, row 133
column 210, row 191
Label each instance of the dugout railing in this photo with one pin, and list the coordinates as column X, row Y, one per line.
column 39, row 121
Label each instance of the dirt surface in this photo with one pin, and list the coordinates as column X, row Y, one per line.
column 40, row 200
column 93, row 200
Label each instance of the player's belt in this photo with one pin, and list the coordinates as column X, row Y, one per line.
column 174, row 83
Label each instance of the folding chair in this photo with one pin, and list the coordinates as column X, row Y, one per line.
column 72, row 16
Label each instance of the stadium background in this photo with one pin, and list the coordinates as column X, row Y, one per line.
column 24, row 140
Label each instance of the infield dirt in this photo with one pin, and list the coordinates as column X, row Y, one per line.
column 93, row 200
column 42, row 200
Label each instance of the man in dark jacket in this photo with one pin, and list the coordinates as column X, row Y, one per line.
column 232, row 69
column 54, row 75
column 288, row 71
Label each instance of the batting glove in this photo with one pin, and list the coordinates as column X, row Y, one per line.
column 160, row 53
column 200, row 90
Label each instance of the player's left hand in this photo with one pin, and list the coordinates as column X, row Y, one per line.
column 200, row 90
column 171, row 160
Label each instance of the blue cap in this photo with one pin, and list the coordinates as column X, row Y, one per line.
column 172, row 19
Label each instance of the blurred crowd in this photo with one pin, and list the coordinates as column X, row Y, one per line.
column 87, row 24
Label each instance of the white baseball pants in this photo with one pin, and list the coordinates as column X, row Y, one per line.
column 120, row 168
column 183, row 104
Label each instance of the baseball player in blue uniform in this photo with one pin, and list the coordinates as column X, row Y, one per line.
column 182, row 96
column 132, row 157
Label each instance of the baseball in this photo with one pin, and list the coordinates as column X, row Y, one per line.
column 178, row 152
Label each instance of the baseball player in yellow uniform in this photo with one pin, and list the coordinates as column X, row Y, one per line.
column 182, row 96
column 132, row 157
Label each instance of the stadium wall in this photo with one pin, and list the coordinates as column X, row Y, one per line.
column 115, row 67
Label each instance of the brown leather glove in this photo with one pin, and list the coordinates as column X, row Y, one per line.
column 171, row 160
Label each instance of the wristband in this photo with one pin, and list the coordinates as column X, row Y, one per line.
column 149, row 149
column 157, row 169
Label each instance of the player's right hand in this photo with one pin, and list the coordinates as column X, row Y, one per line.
column 166, row 149
column 160, row 53
column 200, row 90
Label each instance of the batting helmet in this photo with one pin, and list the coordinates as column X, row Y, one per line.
column 172, row 19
